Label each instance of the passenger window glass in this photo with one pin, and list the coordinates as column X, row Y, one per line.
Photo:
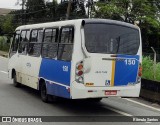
column 23, row 45
column 66, row 44
column 23, row 35
column 35, row 43
column 48, row 36
column 50, row 45
column 27, row 36
column 40, row 36
column 34, row 36
column 67, row 35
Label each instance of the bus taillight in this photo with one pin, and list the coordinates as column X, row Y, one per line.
column 79, row 72
column 140, row 71
column 80, row 67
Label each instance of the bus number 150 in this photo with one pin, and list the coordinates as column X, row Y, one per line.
column 130, row 61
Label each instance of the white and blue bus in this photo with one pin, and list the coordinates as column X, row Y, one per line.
column 78, row 59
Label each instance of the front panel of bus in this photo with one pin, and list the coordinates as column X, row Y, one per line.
column 112, row 61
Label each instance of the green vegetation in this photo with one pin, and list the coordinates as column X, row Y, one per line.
column 148, row 72
column 4, row 46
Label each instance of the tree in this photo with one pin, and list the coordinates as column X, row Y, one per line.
column 146, row 12
column 7, row 26
column 6, row 30
column 51, row 10
column 35, row 10
column 77, row 10
column 1, row 23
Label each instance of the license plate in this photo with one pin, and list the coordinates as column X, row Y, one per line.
column 111, row 92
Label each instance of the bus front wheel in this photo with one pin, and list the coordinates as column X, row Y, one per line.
column 15, row 83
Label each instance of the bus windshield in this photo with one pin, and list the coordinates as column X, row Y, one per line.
column 111, row 39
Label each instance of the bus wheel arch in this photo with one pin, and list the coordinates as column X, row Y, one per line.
column 43, row 92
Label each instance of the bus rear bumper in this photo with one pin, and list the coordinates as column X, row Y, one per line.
column 104, row 92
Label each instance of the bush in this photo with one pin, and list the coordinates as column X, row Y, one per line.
column 148, row 70
column 158, row 71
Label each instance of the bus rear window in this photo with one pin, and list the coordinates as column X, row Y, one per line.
column 111, row 39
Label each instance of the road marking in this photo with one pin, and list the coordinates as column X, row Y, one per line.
column 4, row 72
column 118, row 111
column 143, row 104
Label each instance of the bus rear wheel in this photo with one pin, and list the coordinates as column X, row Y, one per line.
column 46, row 97
column 43, row 91
column 15, row 83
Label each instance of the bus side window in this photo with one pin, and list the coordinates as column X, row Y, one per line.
column 24, row 39
column 15, row 43
column 50, row 45
column 35, row 42
column 66, row 43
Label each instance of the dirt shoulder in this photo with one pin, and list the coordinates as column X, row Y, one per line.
column 4, row 54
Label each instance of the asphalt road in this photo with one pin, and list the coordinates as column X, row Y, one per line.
column 27, row 102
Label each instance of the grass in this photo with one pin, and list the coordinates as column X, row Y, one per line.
column 148, row 72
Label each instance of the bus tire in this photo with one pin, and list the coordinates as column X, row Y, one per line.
column 15, row 83
column 43, row 92
column 46, row 97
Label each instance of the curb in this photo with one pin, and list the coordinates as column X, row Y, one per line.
column 150, row 95
column 150, row 90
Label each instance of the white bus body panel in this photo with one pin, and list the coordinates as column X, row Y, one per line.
column 27, row 69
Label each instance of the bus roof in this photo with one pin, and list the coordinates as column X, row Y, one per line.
column 75, row 22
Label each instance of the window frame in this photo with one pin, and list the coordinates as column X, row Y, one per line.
column 56, row 40
column 20, row 41
column 36, row 42
column 59, row 40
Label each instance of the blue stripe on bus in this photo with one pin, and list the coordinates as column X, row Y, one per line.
column 126, row 72
column 57, row 90
column 56, row 71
